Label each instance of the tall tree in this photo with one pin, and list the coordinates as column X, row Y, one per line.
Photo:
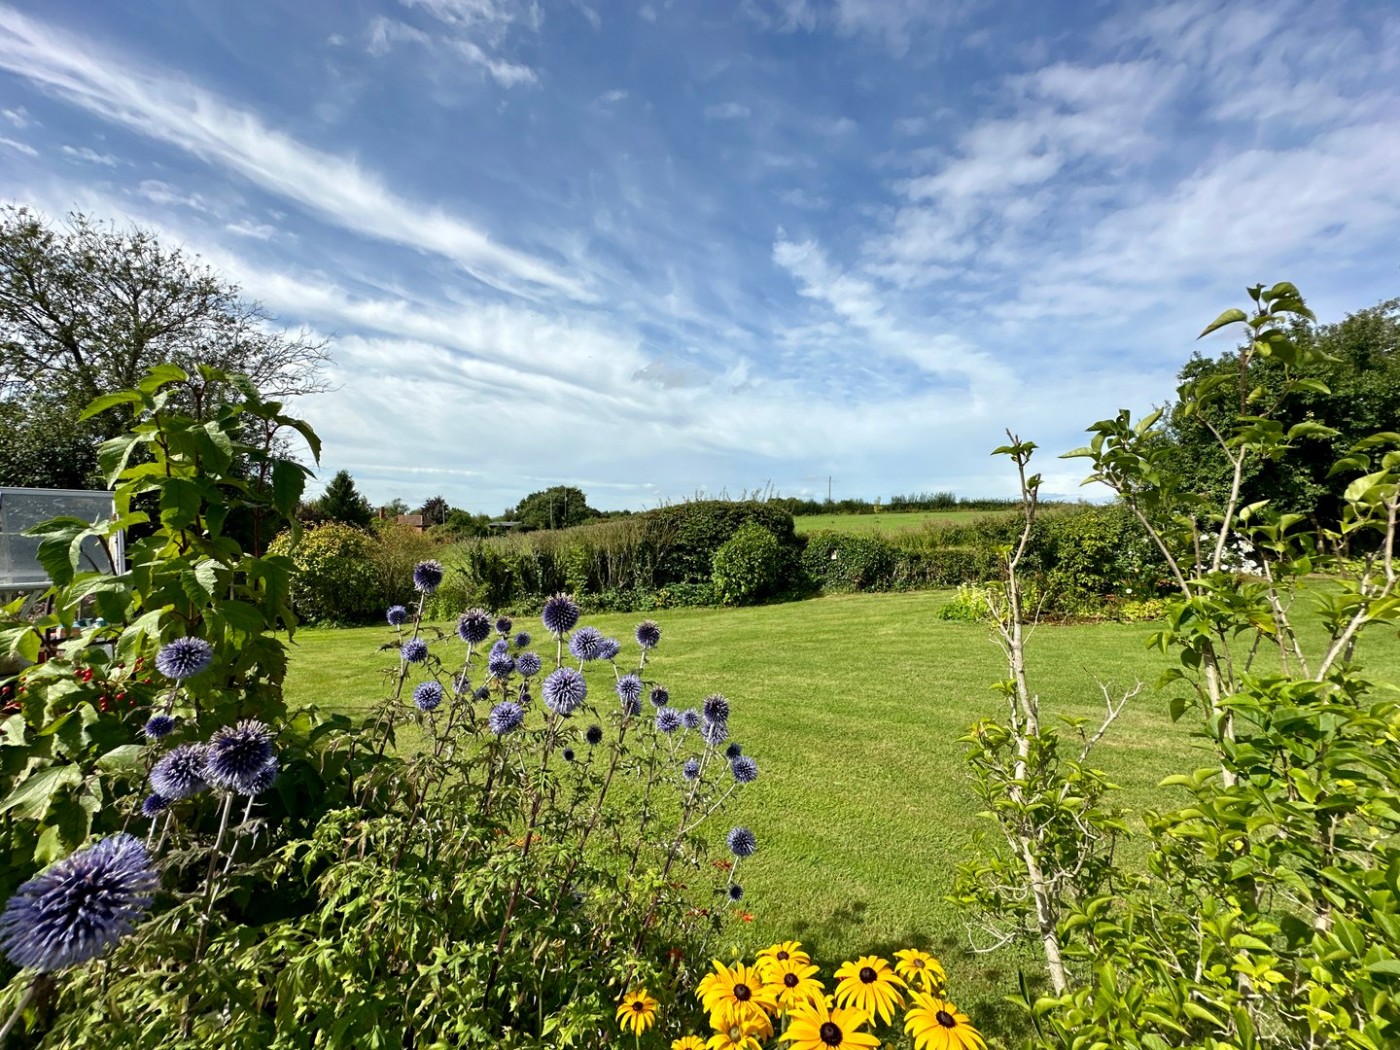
column 435, row 511
column 343, row 502
column 554, row 508
column 87, row 308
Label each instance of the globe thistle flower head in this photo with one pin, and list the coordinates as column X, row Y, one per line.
column 668, row 720
column 564, row 690
column 586, row 643
column 264, row 778
column 648, row 634
column 609, row 649
column 559, row 615
column 236, row 754
column 742, row 842
column 690, row 718
column 483, row 693
column 180, row 772
column 414, row 651
column 733, row 751
column 736, row 892
column 154, row 805
column 594, row 736
column 629, row 688
column 691, row 769
column 158, row 727
column 427, row 575
column 568, row 754
column 745, row 769
column 631, row 708
column 184, row 658
column 461, row 685
column 524, row 693
column 660, row 697
column 78, row 907
column 528, row 663
column 504, row 717
column 503, row 626
column 397, row 616
column 716, row 707
column 474, row 626
column 522, row 639
column 501, row 664
column 427, row 696
column 714, row 733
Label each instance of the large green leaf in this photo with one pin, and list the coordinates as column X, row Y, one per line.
column 32, row 799
column 1231, row 316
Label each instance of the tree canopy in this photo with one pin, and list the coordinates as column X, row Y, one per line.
column 343, row 502
column 557, row 507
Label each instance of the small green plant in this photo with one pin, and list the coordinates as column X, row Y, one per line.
column 748, row 566
column 337, row 578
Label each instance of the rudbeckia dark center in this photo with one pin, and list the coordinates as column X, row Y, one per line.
column 790, row 979
column 944, row 1018
column 639, row 1008
column 742, row 992
column 830, row 1034
column 783, row 957
column 918, row 964
column 867, row 975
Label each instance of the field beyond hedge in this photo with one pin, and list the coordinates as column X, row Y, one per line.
column 886, row 521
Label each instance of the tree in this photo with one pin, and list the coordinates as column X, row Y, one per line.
column 1354, row 388
column 394, row 508
column 87, row 309
column 558, row 507
column 435, row 511
column 342, row 502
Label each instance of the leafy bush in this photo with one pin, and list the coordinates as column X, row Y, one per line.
column 839, row 561
column 337, row 579
column 748, row 565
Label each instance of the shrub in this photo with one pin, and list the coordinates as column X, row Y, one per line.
column 337, row 578
column 839, row 561
column 395, row 550
column 748, row 565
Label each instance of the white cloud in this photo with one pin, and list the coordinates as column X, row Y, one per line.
column 727, row 111
column 21, row 147
column 18, row 116
column 613, row 96
column 195, row 120
column 91, row 156
column 257, row 231
column 477, row 30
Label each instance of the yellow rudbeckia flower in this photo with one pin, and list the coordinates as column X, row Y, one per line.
column 796, row 983
column 740, row 1029
column 739, row 987
column 813, row 1026
column 637, row 1011
column 870, row 985
column 920, row 968
column 688, row 1042
column 936, row 1024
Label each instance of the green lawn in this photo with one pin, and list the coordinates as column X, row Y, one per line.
column 853, row 706
column 885, row 522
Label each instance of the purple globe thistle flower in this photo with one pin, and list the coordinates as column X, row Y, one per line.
column 482, row 694
column 522, row 639
column 629, row 688
column 236, row 754
column 586, row 643
column 78, row 907
column 461, row 685
column 180, row 773
column 427, row 575
column 668, row 720
column 736, row 892
column 503, row 626
column 564, row 690
column 524, row 693
column 427, row 696
column 733, row 751
column 397, row 616
column 648, row 634
column 660, row 697
column 559, row 615
column 745, row 769
column 568, row 754
column 742, row 842
column 158, row 727
column 501, row 664
column 594, row 736
column 504, row 717
column 609, row 649
column 414, row 651
column 691, row 718
column 184, row 658
column 154, row 805
column 631, row 708
column 715, row 733
column 528, row 664
column 264, row 778
column 716, row 708
column 691, row 769
column 474, row 626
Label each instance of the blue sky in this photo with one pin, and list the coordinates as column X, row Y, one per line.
column 654, row 249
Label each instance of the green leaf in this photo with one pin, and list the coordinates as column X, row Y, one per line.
column 1232, row 316
column 288, row 483
column 179, row 503
column 32, row 799
column 112, row 456
column 106, row 401
column 161, row 375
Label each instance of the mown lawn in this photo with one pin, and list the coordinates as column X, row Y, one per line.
column 853, row 706
column 885, row 522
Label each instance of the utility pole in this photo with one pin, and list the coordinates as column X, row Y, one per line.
column 828, row 488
